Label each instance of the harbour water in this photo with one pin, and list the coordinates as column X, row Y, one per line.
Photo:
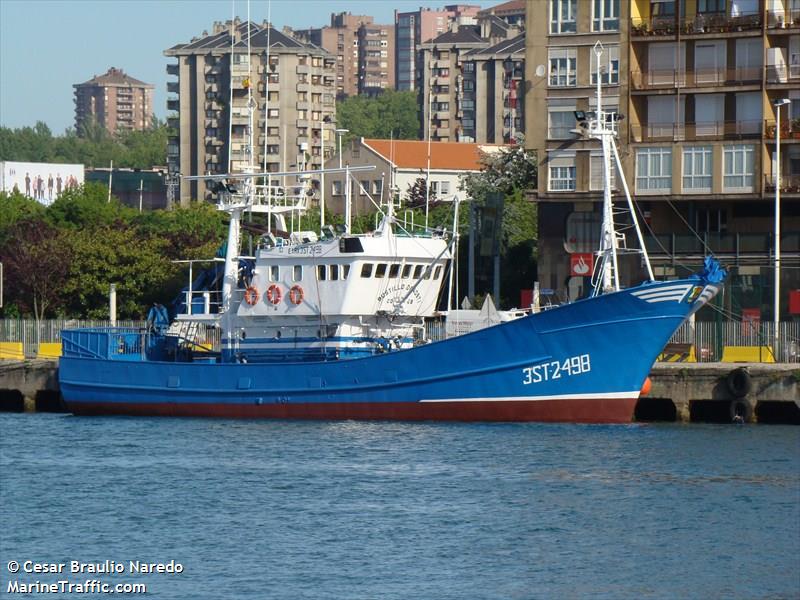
column 403, row 510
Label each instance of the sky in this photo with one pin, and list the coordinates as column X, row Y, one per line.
column 46, row 46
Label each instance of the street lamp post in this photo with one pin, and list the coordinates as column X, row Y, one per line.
column 778, row 103
column 339, row 134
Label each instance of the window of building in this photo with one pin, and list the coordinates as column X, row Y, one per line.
column 272, row 113
column 653, row 169
column 709, row 114
column 609, row 67
column 596, row 177
column 468, row 85
column 297, row 273
column 710, row 220
column 274, row 78
column 377, row 187
column 711, row 6
column 336, row 188
column 468, row 67
column 273, row 149
column 739, row 168
column 444, row 54
column 562, row 16
column 748, row 112
column 697, row 169
column 273, row 96
column 666, row 63
column 605, row 15
column 561, row 171
column 563, row 66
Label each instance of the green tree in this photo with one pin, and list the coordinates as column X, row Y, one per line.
column 390, row 114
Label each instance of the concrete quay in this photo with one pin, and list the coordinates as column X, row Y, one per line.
column 685, row 392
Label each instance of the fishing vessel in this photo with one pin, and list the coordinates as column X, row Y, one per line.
column 331, row 325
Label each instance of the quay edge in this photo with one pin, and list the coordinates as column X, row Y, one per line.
column 683, row 392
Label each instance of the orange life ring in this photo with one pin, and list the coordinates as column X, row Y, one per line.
column 296, row 294
column 251, row 295
column 274, row 294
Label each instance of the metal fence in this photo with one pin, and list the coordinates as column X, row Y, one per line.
column 709, row 340
column 32, row 333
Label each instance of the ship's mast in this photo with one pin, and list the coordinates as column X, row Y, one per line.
column 603, row 127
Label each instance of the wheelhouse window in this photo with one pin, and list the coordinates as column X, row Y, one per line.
column 322, row 272
column 334, row 272
column 406, row 271
column 417, row 271
column 297, row 273
column 394, row 271
column 438, row 272
column 380, row 270
column 366, row 270
column 274, row 273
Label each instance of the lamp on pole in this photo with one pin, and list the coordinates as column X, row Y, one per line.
column 778, row 103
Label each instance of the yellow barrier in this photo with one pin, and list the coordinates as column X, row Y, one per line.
column 11, row 351
column 735, row 354
column 49, row 350
column 678, row 353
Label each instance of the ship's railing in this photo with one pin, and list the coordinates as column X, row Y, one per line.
column 108, row 343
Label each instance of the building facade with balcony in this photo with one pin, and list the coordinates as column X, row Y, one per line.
column 696, row 136
column 114, row 100
column 293, row 86
column 417, row 27
column 364, row 51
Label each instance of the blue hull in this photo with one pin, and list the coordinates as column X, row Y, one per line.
column 585, row 361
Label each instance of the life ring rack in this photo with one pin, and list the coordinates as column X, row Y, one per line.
column 296, row 295
column 274, row 294
column 251, row 295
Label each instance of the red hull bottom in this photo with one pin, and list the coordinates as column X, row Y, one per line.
column 606, row 410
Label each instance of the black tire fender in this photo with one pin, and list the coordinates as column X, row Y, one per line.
column 739, row 382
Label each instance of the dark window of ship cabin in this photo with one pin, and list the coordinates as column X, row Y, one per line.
column 380, row 270
column 427, row 272
column 334, row 272
column 297, row 273
column 417, row 271
column 438, row 272
column 394, row 270
column 366, row 270
column 345, row 271
column 322, row 271
column 406, row 271
column 274, row 273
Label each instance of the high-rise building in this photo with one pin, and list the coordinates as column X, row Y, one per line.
column 364, row 52
column 471, row 81
column 293, row 88
column 417, row 27
column 696, row 118
column 114, row 100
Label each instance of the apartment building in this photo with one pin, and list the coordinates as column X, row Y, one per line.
column 114, row 100
column 418, row 27
column 364, row 52
column 293, row 87
column 473, row 77
column 491, row 108
column 695, row 101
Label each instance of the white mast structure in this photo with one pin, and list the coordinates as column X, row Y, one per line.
column 603, row 127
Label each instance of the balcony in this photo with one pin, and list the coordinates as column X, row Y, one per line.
column 670, row 78
column 172, row 69
column 703, row 131
column 699, row 24
column 173, row 104
column 783, row 19
column 173, row 87
column 790, row 130
column 790, row 183
column 302, row 69
column 240, row 68
column 173, row 122
column 737, row 244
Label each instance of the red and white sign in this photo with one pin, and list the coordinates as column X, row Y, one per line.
column 581, row 264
